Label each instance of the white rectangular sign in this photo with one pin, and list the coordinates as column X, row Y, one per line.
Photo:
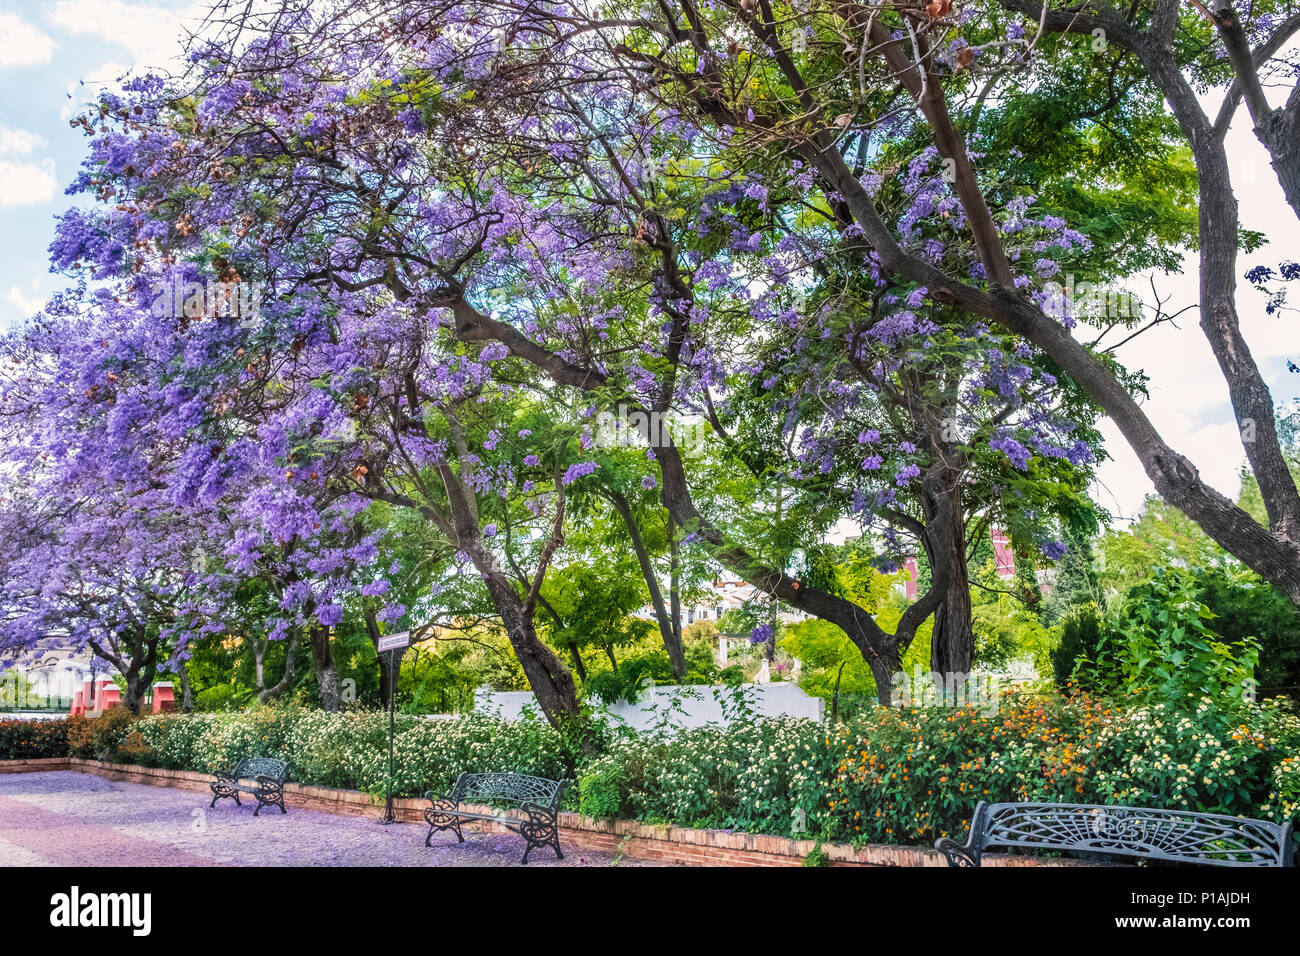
column 393, row 642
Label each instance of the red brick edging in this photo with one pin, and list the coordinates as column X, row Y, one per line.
column 658, row 842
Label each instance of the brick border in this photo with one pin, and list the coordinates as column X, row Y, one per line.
column 34, row 765
column 665, row 843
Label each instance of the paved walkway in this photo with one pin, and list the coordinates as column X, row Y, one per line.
column 65, row 818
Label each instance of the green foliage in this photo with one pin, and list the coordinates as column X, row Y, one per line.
column 1080, row 640
column 1161, row 537
column 912, row 775
column 1246, row 606
column 595, row 606
column 1158, row 645
column 891, row 775
column 33, row 739
column 816, row 856
column 821, row 648
column 99, row 738
column 599, row 791
column 1005, row 630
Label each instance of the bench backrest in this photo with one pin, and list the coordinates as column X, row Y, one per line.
column 262, row 767
column 1175, row 835
column 515, row 788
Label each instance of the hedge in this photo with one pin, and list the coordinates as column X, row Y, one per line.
column 28, row 739
column 892, row 776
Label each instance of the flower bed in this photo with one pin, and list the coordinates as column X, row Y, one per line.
column 901, row 776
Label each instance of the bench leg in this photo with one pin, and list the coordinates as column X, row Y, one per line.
column 454, row 827
column 552, row 840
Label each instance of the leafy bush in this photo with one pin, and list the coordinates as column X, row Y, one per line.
column 1080, row 638
column 892, row 776
column 1158, row 645
column 99, row 738
column 600, row 790
column 31, row 739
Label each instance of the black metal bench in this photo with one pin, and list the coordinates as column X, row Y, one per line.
column 1175, row 836
column 262, row 777
column 536, row 797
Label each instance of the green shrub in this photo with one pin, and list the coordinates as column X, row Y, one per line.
column 889, row 776
column 1159, row 645
column 31, row 739
column 99, row 738
column 1080, row 638
column 600, row 790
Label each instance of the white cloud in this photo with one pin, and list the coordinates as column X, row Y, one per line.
column 22, row 44
column 28, row 306
column 1189, row 402
column 19, row 141
column 152, row 34
column 27, row 184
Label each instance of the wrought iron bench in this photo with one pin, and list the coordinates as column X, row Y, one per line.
column 1175, row 836
column 537, row 798
column 262, row 777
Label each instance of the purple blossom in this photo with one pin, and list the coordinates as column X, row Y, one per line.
column 580, row 470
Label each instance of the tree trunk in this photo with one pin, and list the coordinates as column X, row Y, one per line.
column 286, row 679
column 952, row 643
column 578, row 665
column 259, row 664
column 886, row 664
column 674, row 581
column 550, row 680
column 835, row 697
column 327, row 675
column 187, row 695
column 672, row 641
column 140, row 672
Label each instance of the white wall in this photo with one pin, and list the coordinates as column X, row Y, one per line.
column 691, row 706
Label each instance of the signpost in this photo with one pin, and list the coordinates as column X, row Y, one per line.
column 390, row 644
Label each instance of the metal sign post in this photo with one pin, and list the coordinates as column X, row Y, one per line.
column 390, row 644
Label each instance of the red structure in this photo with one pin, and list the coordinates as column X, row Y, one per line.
column 1004, row 560
column 909, row 585
column 1002, row 554
column 164, row 697
column 103, row 685
column 78, row 707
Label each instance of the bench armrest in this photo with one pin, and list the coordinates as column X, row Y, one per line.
column 536, row 809
column 956, row 853
column 226, row 775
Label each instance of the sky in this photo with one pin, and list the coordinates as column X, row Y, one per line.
column 55, row 53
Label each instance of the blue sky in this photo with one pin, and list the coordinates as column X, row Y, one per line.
column 55, row 53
